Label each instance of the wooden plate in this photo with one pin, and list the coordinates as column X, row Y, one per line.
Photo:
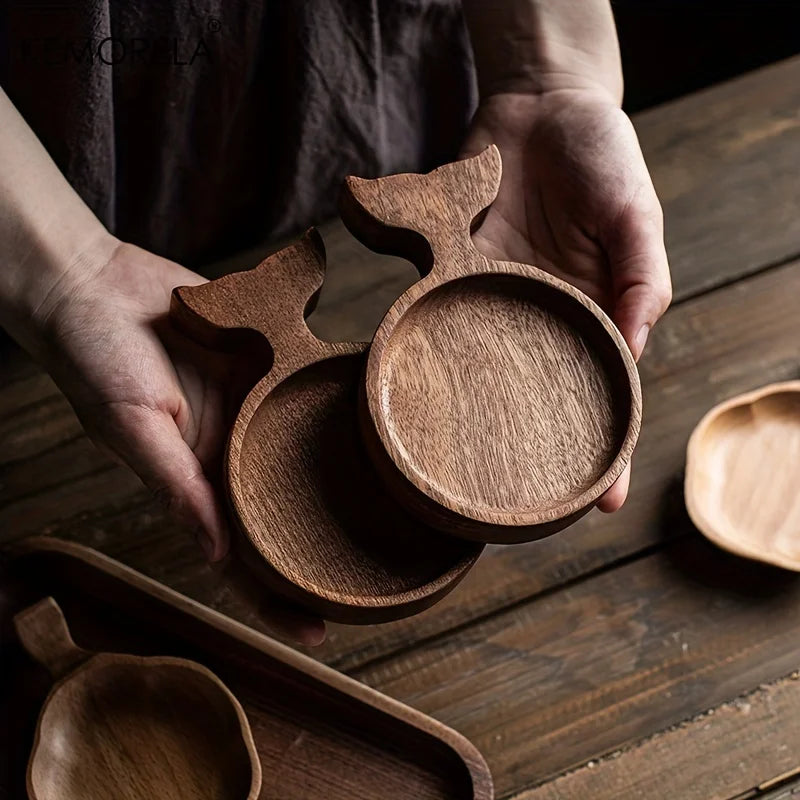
column 318, row 525
column 499, row 402
column 742, row 483
column 125, row 726
column 318, row 733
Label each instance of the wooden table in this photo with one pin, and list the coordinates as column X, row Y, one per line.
column 583, row 655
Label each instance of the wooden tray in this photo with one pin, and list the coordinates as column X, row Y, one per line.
column 319, row 734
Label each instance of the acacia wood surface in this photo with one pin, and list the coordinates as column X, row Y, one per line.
column 739, row 749
column 742, row 483
column 555, row 682
column 318, row 527
column 505, row 399
column 725, row 164
column 127, row 727
column 317, row 733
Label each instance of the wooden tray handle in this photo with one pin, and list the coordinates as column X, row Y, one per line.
column 424, row 218
column 274, row 299
column 44, row 634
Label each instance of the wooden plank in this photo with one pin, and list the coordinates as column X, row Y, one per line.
column 49, row 469
column 566, row 678
column 733, row 750
column 726, row 164
column 34, row 416
column 705, row 350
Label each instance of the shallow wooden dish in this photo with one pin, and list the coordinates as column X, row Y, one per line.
column 742, row 483
column 125, row 726
column 318, row 525
column 500, row 403
column 318, row 733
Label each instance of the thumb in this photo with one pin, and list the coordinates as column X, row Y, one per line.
column 640, row 274
column 149, row 442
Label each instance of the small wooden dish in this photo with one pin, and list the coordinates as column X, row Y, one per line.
column 317, row 732
column 499, row 402
column 318, row 525
column 127, row 726
column 742, row 483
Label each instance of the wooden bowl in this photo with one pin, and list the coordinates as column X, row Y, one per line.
column 318, row 526
column 742, row 484
column 499, row 402
column 125, row 726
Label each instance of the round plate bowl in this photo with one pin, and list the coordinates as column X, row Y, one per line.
column 309, row 502
column 125, row 726
column 742, row 484
column 506, row 405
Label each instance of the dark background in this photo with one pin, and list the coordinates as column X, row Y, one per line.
column 671, row 47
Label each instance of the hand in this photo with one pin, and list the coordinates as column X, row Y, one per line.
column 576, row 199
column 157, row 401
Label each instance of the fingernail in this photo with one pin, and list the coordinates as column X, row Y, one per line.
column 641, row 338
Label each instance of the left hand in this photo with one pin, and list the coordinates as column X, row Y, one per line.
column 576, row 200
column 155, row 400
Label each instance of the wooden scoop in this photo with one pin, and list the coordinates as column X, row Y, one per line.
column 500, row 402
column 742, row 483
column 128, row 727
column 318, row 525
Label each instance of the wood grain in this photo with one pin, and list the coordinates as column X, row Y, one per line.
column 505, row 399
column 743, row 475
column 318, row 527
column 317, row 732
column 726, row 165
column 550, row 684
column 128, row 727
column 44, row 634
column 735, row 750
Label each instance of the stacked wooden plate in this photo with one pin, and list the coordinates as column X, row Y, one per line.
column 496, row 403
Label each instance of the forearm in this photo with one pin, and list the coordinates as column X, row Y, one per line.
column 48, row 236
column 536, row 46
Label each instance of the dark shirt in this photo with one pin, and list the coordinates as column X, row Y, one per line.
column 195, row 127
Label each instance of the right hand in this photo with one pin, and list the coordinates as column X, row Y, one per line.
column 147, row 394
